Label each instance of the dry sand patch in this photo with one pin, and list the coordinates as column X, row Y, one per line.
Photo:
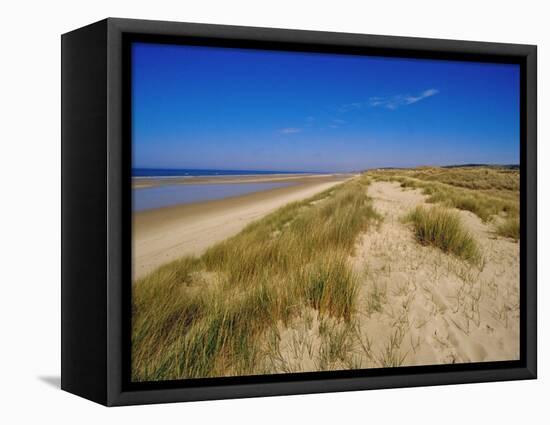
column 435, row 308
column 417, row 305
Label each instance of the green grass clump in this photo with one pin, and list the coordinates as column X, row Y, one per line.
column 205, row 317
column 442, row 228
column 330, row 286
column 509, row 228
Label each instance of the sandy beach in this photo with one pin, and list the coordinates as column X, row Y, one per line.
column 441, row 310
column 419, row 304
column 356, row 215
column 165, row 234
column 371, row 292
column 145, row 182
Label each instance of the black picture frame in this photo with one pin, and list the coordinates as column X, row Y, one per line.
column 96, row 225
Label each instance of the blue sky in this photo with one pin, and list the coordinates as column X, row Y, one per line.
column 225, row 108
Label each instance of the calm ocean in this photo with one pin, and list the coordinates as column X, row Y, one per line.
column 176, row 194
column 172, row 194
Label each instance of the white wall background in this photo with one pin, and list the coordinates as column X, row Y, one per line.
column 30, row 183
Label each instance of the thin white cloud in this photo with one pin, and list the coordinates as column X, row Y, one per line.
column 337, row 123
column 423, row 95
column 350, row 107
column 290, row 130
column 389, row 102
column 394, row 102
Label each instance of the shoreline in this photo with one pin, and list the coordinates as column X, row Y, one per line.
column 165, row 234
column 148, row 182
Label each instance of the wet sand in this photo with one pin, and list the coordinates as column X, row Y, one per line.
column 165, row 234
column 144, row 182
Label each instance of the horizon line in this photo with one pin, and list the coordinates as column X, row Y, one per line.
column 467, row 164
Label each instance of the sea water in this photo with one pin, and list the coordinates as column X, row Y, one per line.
column 162, row 172
column 168, row 195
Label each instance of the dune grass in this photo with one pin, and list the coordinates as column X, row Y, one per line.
column 482, row 204
column 205, row 317
column 509, row 228
column 484, row 191
column 443, row 229
column 478, row 178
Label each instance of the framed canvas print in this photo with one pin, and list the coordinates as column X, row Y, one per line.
column 253, row 212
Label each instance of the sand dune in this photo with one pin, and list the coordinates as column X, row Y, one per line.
column 442, row 310
column 418, row 305
column 409, row 303
column 165, row 234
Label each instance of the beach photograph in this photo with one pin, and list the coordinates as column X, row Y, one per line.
column 306, row 212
